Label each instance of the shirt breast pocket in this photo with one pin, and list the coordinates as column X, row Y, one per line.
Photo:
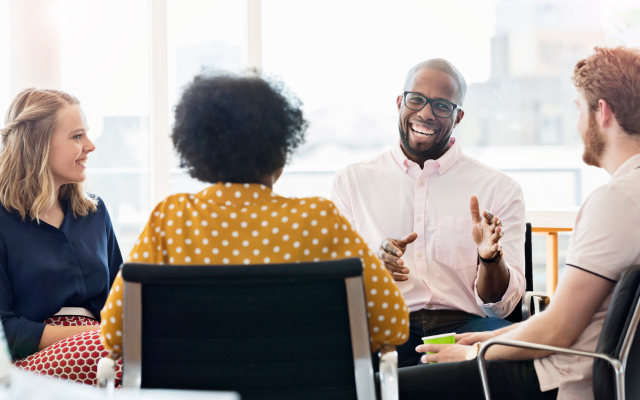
column 454, row 245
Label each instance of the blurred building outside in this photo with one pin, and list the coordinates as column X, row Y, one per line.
column 520, row 120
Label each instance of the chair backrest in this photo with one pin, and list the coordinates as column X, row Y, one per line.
column 516, row 314
column 618, row 338
column 285, row 331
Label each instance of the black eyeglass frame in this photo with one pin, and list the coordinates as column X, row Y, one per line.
column 428, row 101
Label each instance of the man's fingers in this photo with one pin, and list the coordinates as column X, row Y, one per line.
column 475, row 209
column 389, row 247
column 460, row 336
column 497, row 235
column 399, row 277
column 488, row 215
column 395, row 268
column 391, row 259
column 410, row 238
column 469, row 340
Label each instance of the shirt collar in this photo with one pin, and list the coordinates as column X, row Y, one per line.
column 632, row 163
column 444, row 162
column 237, row 194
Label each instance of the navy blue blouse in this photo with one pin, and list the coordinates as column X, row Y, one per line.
column 43, row 268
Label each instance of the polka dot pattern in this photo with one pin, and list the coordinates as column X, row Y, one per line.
column 249, row 224
column 74, row 358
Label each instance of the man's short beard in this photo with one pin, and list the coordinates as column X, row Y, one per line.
column 431, row 153
column 594, row 143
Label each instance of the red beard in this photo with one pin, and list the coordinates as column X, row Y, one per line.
column 594, row 143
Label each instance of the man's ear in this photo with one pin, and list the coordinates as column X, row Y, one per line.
column 459, row 117
column 399, row 102
column 604, row 115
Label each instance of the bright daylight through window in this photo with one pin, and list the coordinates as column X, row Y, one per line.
column 346, row 61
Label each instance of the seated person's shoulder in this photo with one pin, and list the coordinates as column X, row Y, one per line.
column 175, row 201
column 101, row 207
column 312, row 205
column 628, row 184
column 624, row 191
column 313, row 210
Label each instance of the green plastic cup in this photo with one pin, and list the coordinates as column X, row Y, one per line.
column 445, row 338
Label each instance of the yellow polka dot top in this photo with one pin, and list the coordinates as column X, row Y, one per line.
column 249, row 224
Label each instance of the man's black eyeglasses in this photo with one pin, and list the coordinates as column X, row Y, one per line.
column 416, row 101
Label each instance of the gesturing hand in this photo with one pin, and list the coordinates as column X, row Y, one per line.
column 486, row 230
column 391, row 250
column 443, row 353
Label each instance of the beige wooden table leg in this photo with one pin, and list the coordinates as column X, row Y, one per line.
column 552, row 262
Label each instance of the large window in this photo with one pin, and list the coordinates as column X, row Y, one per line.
column 346, row 61
column 203, row 36
column 105, row 63
column 516, row 55
column 5, row 50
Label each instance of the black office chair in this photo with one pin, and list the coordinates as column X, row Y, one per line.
column 285, row 331
column 616, row 368
column 531, row 302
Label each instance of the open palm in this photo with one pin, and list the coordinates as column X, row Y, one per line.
column 486, row 230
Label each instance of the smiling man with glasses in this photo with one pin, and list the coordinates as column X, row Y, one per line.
column 458, row 269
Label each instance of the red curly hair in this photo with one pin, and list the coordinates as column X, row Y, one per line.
column 612, row 74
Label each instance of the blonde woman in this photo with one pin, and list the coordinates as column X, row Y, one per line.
column 58, row 252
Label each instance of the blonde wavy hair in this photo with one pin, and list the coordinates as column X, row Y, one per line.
column 27, row 184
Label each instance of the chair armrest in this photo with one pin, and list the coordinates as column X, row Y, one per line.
column 106, row 375
column 541, row 301
column 617, row 366
column 388, row 373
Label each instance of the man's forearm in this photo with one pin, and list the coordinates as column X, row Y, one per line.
column 535, row 330
column 493, row 281
column 506, row 329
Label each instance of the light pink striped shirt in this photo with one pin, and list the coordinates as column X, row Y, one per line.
column 390, row 196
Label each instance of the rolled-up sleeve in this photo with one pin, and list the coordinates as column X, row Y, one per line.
column 510, row 209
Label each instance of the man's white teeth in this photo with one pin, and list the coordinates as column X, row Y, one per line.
column 83, row 162
column 421, row 131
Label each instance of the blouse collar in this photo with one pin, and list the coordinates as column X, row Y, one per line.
column 237, row 194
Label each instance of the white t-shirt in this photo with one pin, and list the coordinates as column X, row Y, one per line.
column 605, row 242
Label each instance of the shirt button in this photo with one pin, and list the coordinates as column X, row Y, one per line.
column 419, row 254
column 429, row 306
column 429, row 283
column 418, row 219
column 421, row 183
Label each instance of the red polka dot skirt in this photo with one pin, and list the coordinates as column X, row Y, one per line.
column 74, row 358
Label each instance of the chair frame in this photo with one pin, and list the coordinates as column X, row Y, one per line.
column 619, row 365
column 358, row 323
column 541, row 300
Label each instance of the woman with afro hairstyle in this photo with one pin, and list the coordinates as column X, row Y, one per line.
column 237, row 134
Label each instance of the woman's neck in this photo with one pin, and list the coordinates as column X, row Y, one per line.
column 54, row 215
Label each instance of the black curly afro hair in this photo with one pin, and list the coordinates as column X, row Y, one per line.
column 236, row 129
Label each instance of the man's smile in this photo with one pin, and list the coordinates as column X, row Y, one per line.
column 422, row 131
